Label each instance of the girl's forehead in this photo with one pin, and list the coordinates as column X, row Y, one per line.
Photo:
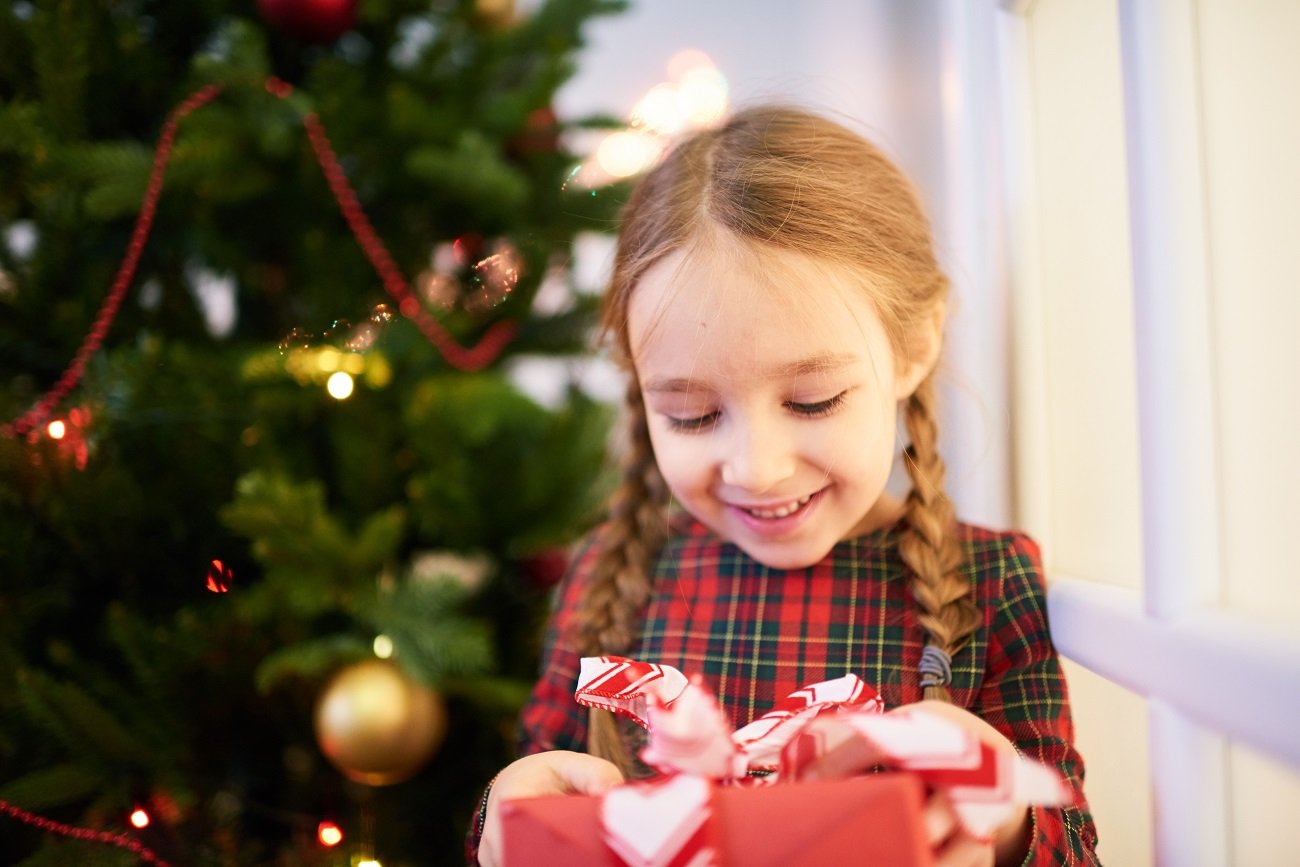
column 731, row 309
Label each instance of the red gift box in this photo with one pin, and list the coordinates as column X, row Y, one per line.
column 860, row 820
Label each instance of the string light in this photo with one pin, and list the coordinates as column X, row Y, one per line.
column 139, row 818
column 383, row 646
column 339, row 385
column 219, row 577
column 625, row 153
column 329, row 834
column 56, row 429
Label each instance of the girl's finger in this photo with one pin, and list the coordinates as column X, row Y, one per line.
column 587, row 775
column 963, row 850
column 940, row 820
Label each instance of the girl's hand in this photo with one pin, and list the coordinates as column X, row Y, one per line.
column 952, row 845
column 558, row 772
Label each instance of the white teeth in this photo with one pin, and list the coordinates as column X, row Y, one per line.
column 783, row 511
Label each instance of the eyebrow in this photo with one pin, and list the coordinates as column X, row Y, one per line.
column 792, row 370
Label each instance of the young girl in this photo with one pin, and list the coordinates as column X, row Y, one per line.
column 777, row 304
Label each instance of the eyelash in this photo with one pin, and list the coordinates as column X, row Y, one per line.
column 818, row 409
column 807, row 410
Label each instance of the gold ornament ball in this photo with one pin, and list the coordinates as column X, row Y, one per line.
column 376, row 725
column 495, row 13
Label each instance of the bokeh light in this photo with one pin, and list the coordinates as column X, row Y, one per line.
column 329, row 834
column 439, row 291
column 695, row 96
column 220, row 577
column 339, row 385
column 383, row 646
column 341, row 335
column 626, row 153
column 702, row 95
column 327, row 359
column 685, row 60
column 139, row 818
column 295, row 339
column 378, row 373
column 495, row 276
column 361, row 338
column 56, row 429
column 473, row 273
column 660, row 110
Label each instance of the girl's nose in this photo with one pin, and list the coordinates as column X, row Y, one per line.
column 757, row 457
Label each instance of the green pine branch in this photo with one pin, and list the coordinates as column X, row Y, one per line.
column 53, row 786
column 83, row 726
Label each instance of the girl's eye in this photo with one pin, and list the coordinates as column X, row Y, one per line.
column 817, row 409
column 691, row 425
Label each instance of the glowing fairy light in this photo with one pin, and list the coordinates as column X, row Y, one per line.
column 220, row 577
column 369, row 862
column 625, row 153
column 139, row 818
column 702, row 95
column 383, row 646
column 339, row 385
column 694, row 97
column 660, row 110
column 685, row 60
column 328, row 359
column 329, row 834
column 57, row 429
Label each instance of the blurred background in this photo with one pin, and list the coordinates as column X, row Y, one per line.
column 281, row 502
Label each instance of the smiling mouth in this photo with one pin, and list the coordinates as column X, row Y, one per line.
column 784, row 511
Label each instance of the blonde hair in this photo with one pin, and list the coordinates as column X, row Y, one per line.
column 779, row 178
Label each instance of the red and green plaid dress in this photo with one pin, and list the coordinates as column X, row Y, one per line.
column 756, row 634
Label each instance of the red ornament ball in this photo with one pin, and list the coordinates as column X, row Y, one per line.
column 546, row 569
column 310, row 20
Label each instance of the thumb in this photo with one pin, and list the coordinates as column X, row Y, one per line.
column 588, row 775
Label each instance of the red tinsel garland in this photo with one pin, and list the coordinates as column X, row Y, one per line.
column 120, row 840
column 125, row 271
column 468, row 359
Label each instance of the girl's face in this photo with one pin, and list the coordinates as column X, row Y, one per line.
column 771, row 395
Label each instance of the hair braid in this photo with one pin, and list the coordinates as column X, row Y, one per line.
column 928, row 546
column 608, row 618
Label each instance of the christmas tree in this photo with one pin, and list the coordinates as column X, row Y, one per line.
column 277, row 470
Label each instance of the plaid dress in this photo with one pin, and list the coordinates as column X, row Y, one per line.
column 756, row 634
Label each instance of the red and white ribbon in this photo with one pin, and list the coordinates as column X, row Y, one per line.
column 664, row 823
column 831, row 729
column 625, row 686
column 763, row 739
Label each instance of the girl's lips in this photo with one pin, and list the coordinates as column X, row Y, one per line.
column 779, row 510
column 778, row 520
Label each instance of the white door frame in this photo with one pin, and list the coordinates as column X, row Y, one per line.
column 1207, row 674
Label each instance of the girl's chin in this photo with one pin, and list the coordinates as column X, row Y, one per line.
column 786, row 555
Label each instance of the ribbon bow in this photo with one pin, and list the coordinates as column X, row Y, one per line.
column 830, row 729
